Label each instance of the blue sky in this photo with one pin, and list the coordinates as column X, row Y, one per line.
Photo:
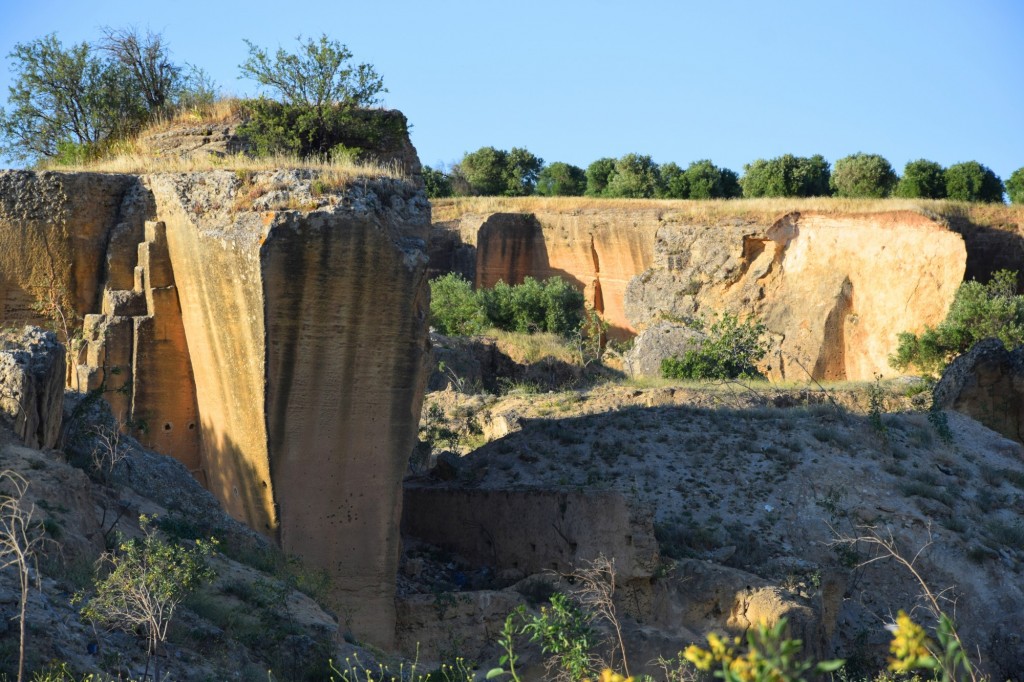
column 574, row 81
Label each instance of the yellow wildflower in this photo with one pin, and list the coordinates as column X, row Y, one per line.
column 608, row 676
column 909, row 646
column 700, row 658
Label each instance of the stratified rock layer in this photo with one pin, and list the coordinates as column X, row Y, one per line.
column 54, row 232
column 597, row 250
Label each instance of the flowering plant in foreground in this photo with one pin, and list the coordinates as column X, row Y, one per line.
column 770, row 657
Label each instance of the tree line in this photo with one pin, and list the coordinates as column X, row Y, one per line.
column 495, row 172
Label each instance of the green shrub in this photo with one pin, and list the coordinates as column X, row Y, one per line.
column 705, row 180
column 147, row 580
column 1015, row 186
column 673, row 182
column 561, row 180
column 971, row 181
column 786, row 176
column 272, row 127
column 979, row 311
column 922, row 179
column 455, row 309
column 862, row 175
column 731, row 350
column 701, row 180
column 553, row 306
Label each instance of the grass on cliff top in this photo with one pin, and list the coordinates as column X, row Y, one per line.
column 140, row 163
column 138, row 155
column 712, row 210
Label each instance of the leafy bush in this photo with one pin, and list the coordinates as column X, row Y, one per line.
column 971, row 181
column 979, row 311
column 436, row 183
column 1015, row 186
column 553, row 306
column 455, row 309
column 598, row 174
column 786, row 176
column 673, row 182
column 147, row 581
column 317, row 88
column 731, row 350
column 862, row 175
column 635, row 176
column 922, row 179
column 66, row 98
column 561, row 180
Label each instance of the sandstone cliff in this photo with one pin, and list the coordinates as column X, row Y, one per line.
column 269, row 330
column 833, row 288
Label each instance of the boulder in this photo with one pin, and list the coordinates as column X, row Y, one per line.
column 32, row 369
column 658, row 342
column 987, row 384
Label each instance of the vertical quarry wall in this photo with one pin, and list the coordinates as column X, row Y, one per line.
column 833, row 290
column 600, row 251
column 54, row 231
column 272, row 340
column 308, row 338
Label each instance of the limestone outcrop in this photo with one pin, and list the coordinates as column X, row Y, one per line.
column 833, row 291
column 32, row 385
column 269, row 334
column 308, row 342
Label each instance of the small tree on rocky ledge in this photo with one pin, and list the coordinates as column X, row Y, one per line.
column 316, row 88
column 147, row 581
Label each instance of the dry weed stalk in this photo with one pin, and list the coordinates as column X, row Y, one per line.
column 19, row 542
column 107, row 452
column 596, row 596
column 886, row 547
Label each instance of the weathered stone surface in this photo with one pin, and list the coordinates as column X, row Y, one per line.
column 32, row 385
column 658, row 342
column 532, row 530
column 309, row 369
column 987, row 384
column 54, row 229
column 833, row 291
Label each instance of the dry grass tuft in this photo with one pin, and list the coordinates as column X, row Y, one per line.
column 713, row 210
column 133, row 160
